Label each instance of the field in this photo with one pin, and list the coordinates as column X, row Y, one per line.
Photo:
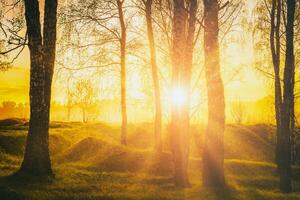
column 89, row 163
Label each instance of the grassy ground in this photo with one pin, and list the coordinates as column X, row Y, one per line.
column 89, row 163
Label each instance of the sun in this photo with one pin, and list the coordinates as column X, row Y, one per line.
column 178, row 96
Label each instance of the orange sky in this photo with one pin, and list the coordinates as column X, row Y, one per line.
column 249, row 86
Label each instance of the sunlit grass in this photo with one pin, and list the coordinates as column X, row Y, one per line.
column 89, row 163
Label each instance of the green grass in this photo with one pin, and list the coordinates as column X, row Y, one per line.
column 89, row 163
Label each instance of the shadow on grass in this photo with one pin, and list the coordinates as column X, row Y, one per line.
column 11, row 186
column 296, row 173
column 225, row 193
column 9, row 194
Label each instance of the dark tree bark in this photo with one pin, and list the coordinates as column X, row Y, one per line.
column 275, row 50
column 49, row 48
column 289, row 73
column 293, row 133
column 158, row 112
column 179, row 138
column 123, row 72
column 213, row 153
column 42, row 53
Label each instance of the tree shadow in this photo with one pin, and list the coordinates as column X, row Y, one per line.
column 225, row 193
column 7, row 193
column 12, row 185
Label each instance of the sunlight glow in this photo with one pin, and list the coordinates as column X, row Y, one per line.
column 178, row 96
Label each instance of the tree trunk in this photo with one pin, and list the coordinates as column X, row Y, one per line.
column 213, row 153
column 123, row 72
column 292, row 117
column 36, row 158
column 186, row 75
column 275, row 50
column 179, row 138
column 293, row 133
column 289, row 72
column 49, row 48
column 158, row 112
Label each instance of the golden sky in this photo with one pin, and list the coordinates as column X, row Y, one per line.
column 249, row 85
column 14, row 84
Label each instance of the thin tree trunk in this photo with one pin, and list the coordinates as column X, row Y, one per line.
column 123, row 72
column 179, row 139
column 36, row 158
column 158, row 112
column 275, row 50
column 83, row 115
column 289, row 71
column 213, row 153
column 186, row 74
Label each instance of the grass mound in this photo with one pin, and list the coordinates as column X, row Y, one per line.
column 57, row 144
column 12, row 144
column 100, row 155
column 249, row 143
column 120, row 159
column 141, row 136
column 15, row 144
column 253, row 142
column 84, row 150
column 12, row 122
column 89, row 163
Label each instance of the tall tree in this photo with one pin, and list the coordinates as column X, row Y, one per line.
column 213, row 152
column 192, row 7
column 123, row 71
column 179, row 138
column 183, row 39
column 110, row 24
column 294, row 134
column 42, row 54
column 288, row 100
column 275, row 45
column 158, row 111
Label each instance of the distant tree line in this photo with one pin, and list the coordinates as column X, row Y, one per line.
column 10, row 109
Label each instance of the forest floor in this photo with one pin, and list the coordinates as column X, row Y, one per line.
column 89, row 163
